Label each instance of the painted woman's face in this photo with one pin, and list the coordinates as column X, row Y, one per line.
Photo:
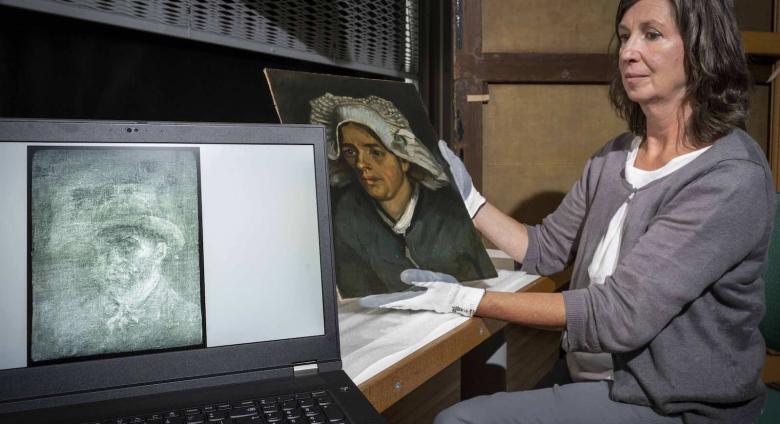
column 379, row 171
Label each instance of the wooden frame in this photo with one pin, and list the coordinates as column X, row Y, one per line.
column 762, row 43
column 474, row 70
column 774, row 114
column 771, row 371
column 467, row 131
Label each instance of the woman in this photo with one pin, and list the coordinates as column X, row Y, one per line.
column 668, row 229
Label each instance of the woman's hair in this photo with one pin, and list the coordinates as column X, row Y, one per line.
column 718, row 79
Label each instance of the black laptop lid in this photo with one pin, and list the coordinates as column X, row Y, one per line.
column 155, row 253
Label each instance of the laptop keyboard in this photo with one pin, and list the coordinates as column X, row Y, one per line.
column 300, row 408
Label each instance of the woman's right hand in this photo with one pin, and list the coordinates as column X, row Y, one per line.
column 471, row 197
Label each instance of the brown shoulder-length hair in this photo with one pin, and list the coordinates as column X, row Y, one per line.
column 715, row 66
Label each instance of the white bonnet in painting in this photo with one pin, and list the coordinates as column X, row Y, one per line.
column 389, row 125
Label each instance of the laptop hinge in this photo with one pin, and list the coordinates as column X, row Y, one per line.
column 305, row 368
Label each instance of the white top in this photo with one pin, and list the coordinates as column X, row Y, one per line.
column 599, row 366
column 405, row 220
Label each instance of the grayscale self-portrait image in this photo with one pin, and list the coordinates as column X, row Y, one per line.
column 393, row 204
column 115, row 251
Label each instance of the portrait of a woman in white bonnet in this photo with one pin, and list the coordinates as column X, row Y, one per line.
column 393, row 207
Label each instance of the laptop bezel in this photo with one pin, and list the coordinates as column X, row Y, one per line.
column 34, row 385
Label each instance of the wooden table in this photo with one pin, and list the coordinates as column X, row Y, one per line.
column 391, row 385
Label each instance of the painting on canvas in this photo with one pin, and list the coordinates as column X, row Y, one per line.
column 394, row 205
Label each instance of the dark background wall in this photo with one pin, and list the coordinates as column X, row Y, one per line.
column 57, row 67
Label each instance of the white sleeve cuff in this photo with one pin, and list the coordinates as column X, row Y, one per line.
column 473, row 202
column 467, row 300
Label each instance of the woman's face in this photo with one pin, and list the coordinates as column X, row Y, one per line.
column 652, row 53
column 379, row 171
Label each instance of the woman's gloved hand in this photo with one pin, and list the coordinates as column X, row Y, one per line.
column 439, row 292
column 471, row 197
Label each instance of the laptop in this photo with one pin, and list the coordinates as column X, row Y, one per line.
column 168, row 273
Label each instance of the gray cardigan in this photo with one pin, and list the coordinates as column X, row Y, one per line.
column 680, row 313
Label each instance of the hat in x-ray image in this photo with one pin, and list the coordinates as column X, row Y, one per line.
column 134, row 206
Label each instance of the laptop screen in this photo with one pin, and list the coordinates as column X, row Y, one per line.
column 183, row 239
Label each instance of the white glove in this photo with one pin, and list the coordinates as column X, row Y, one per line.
column 468, row 192
column 440, row 293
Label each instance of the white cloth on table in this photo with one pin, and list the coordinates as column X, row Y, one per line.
column 374, row 339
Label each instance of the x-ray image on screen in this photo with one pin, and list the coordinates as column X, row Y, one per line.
column 115, row 251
